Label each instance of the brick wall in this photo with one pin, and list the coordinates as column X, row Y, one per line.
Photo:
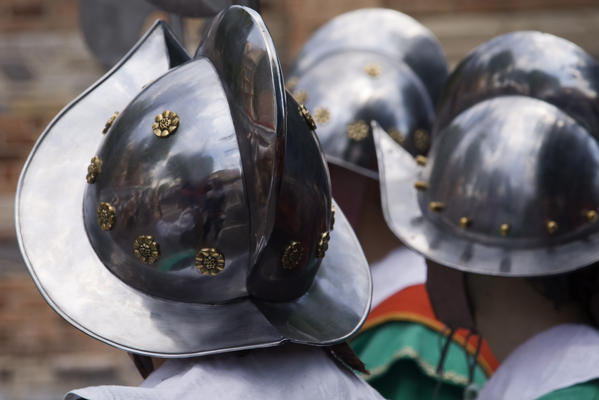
column 44, row 63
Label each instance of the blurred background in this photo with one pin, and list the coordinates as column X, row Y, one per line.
column 45, row 63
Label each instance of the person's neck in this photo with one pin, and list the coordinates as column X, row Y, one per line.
column 374, row 235
column 508, row 312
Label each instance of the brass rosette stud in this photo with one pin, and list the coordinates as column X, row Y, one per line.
column 421, row 185
column 210, row 261
column 292, row 83
column 322, row 115
column 422, row 140
column 300, row 96
column 591, row 215
column 373, row 70
column 93, row 169
column 397, row 136
column 504, row 229
column 307, row 117
column 332, row 216
column 323, row 245
column 357, row 131
column 421, row 160
column 292, row 255
column 552, row 227
column 465, row 222
column 110, row 122
column 146, row 249
column 106, row 216
column 436, row 206
column 165, row 124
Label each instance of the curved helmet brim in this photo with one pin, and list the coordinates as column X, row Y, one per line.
column 71, row 277
column 399, row 171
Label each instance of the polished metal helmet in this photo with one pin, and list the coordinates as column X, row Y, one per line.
column 204, row 220
column 511, row 185
column 369, row 65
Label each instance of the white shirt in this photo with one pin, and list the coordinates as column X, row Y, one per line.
column 557, row 358
column 400, row 269
column 285, row 372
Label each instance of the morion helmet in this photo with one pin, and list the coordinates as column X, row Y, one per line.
column 204, row 219
column 369, row 65
column 511, row 185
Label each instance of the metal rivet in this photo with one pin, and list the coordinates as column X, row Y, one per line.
column 110, row 122
column 307, row 117
column 146, row 249
column 332, row 216
column 397, row 136
column 292, row 255
column 300, row 96
column 373, row 70
column 552, row 227
column 421, row 160
column 504, row 229
column 422, row 140
column 322, row 115
column 591, row 215
column 106, row 216
column 291, row 83
column 421, row 185
column 357, row 131
column 323, row 245
column 436, row 206
column 465, row 222
column 210, row 261
column 166, row 124
column 93, row 169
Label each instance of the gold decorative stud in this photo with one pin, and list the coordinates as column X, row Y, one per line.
column 373, row 70
column 436, row 206
column 106, row 216
column 307, row 117
column 504, row 229
column 421, row 160
column 292, row 255
column 322, row 115
column 323, row 245
column 166, row 124
column 422, row 140
column 291, row 83
column 332, row 216
column 397, row 136
column 146, row 249
column 552, row 227
column 465, row 222
column 421, row 185
column 110, row 122
column 300, row 96
column 93, row 169
column 210, row 261
column 590, row 215
column 357, row 131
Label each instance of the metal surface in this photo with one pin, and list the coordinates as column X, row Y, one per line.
column 201, row 8
column 244, row 56
column 532, row 64
column 352, row 97
column 111, row 27
column 157, row 185
column 511, row 164
column 383, row 31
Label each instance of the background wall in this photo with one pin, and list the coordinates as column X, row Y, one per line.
column 44, row 63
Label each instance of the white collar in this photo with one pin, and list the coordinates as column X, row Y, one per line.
column 557, row 358
column 290, row 372
column 399, row 269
